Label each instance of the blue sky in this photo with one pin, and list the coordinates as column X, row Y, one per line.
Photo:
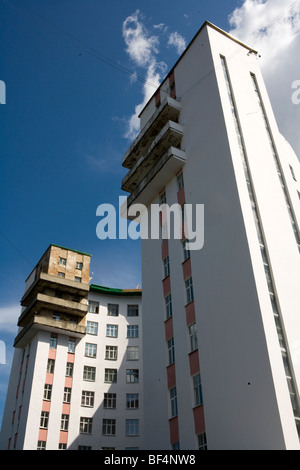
column 72, row 69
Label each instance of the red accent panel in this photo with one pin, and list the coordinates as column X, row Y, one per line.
column 68, row 382
column 164, row 249
column 167, row 286
column 174, row 430
column 157, row 98
column 63, row 437
column 66, row 408
column 169, row 328
column 171, row 376
column 49, row 378
column 46, row 406
column 42, row 434
column 187, row 269
column 199, row 422
column 194, row 362
column 190, row 313
column 52, row 353
column 181, row 196
column 71, row 358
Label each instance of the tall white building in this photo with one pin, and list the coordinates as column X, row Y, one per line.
column 222, row 323
column 76, row 377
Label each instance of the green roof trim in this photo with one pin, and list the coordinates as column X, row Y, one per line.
column 70, row 249
column 113, row 291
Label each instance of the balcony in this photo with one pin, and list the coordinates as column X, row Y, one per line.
column 169, row 136
column 39, row 322
column 48, row 302
column 169, row 110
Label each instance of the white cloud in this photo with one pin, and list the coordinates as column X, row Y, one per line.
column 8, row 318
column 272, row 27
column 175, row 39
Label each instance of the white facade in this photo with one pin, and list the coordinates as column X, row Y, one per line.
column 97, row 413
column 246, row 297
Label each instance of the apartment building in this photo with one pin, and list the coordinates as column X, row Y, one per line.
column 225, row 369
column 76, row 377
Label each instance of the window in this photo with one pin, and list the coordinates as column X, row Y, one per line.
column 84, row 447
column 189, row 290
column 113, row 310
column 186, row 251
column 62, row 446
column 110, row 376
column 89, row 373
column 86, row 425
column 163, row 198
column 132, row 376
column 92, row 327
column 166, row 263
column 78, row 265
column 71, row 346
column 173, row 399
column 62, row 261
column 41, row 445
column 132, row 353
column 93, row 307
column 90, row 350
column 87, row 398
column 202, row 442
column 292, row 172
column 193, row 337
column 56, row 317
column 112, row 331
column 53, row 341
column 67, row 395
column 110, row 400
column 44, row 419
column 180, row 182
column 198, row 398
column 109, row 427
column 60, row 274
column 132, row 310
column 64, row 423
column 171, row 351
column 132, row 401
column 111, row 353
column 168, row 301
column 132, row 427
column 69, row 369
column 77, row 279
column 50, row 366
column 132, row 331
column 47, row 392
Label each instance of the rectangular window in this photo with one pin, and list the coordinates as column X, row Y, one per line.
column 111, row 353
column 71, row 346
column 109, row 427
column 50, row 366
column 193, row 337
column 132, row 310
column 113, row 310
column 186, row 251
column 89, row 373
column 112, row 331
column 79, row 265
column 77, row 279
column 64, row 423
column 69, row 369
column 93, row 307
column 171, row 351
column 180, row 182
column 202, row 442
column 132, row 376
column 53, row 341
column 90, row 350
column 163, row 198
column 168, row 301
column 87, row 398
column 110, row 376
column 41, row 445
column 44, row 419
column 132, row 353
column 198, row 398
column 132, row 401
column 47, row 392
column 132, row 331
column 166, row 262
column 62, row 261
column 173, row 399
column 189, row 290
column 92, row 328
column 56, row 317
column 84, row 447
column 60, row 274
column 62, row 446
column 86, row 425
column 132, row 427
column 110, row 400
column 67, row 395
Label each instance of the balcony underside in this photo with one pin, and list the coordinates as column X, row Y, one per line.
column 169, row 110
column 164, row 170
column 169, row 136
column 38, row 323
